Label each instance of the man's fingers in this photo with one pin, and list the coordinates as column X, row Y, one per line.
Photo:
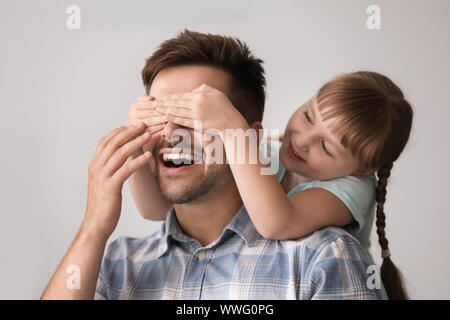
column 156, row 135
column 154, row 129
column 131, row 166
column 105, row 140
column 121, row 155
column 118, row 141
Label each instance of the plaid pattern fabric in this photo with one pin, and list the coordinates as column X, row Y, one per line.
column 240, row 264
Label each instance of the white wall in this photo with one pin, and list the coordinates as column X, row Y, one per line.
column 62, row 90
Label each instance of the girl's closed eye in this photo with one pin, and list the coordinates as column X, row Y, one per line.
column 323, row 143
column 307, row 116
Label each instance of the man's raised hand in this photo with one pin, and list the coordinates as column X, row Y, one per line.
column 108, row 171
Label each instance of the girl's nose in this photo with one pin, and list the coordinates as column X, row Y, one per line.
column 303, row 140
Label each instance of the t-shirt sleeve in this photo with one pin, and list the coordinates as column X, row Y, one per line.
column 357, row 193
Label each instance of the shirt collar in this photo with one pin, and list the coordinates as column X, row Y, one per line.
column 240, row 224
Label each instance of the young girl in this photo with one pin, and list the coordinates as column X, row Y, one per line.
column 357, row 124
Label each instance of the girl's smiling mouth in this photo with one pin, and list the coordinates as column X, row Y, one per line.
column 292, row 154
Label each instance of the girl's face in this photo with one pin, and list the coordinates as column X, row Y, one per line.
column 310, row 149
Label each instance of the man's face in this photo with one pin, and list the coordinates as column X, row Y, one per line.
column 198, row 181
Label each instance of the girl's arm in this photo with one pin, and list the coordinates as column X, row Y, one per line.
column 144, row 189
column 146, row 193
column 273, row 213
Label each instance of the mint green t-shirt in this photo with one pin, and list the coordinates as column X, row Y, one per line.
column 357, row 193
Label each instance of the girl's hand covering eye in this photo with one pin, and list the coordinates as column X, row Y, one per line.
column 144, row 110
column 206, row 104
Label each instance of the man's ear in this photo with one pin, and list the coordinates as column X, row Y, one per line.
column 257, row 125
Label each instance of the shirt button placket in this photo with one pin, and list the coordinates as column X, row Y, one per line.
column 201, row 255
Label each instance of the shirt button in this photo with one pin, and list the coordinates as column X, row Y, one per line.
column 201, row 255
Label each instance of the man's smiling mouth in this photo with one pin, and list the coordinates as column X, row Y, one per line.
column 176, row 158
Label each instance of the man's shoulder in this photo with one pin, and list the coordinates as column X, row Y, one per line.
column 336, row 266
column 323, row 237
column 329, row 241
column 135, row 249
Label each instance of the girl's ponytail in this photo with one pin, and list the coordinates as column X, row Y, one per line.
column 390, row 275
column 373, row 120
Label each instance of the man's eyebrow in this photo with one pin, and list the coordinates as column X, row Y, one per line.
column 310, row 106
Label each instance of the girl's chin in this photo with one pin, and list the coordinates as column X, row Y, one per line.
column 290, row 164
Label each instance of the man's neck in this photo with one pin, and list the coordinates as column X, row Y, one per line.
column 205, row 220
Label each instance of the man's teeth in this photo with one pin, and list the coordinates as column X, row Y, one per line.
column 177, row 156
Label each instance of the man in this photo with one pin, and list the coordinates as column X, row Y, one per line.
column 208, row 247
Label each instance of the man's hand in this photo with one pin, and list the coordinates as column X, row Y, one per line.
column 108, row 171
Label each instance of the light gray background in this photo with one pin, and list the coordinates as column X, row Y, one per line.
column 62, row 90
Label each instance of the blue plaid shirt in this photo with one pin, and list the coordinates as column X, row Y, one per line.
column 240, row 264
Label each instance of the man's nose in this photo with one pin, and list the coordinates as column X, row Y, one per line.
column 168, row 129
column 169, row 134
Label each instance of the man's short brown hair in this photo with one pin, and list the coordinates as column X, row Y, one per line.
column 247, row 84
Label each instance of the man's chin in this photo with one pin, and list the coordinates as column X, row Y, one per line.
column 194, row 187
column 180, row 193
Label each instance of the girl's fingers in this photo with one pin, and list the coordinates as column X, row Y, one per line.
column 147, row 113
column 131, row 166
column 176, row 111
column 182, row 103
column 146, row 97
column 187, row 95
column 121, row 155
column 156, row 120
column 186, row 122
column 118, row 141
column 146, row 104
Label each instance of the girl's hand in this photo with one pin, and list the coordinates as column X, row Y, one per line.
column 144, row 110
column 206, row 104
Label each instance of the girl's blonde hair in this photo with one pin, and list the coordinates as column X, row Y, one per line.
column 373, row 121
